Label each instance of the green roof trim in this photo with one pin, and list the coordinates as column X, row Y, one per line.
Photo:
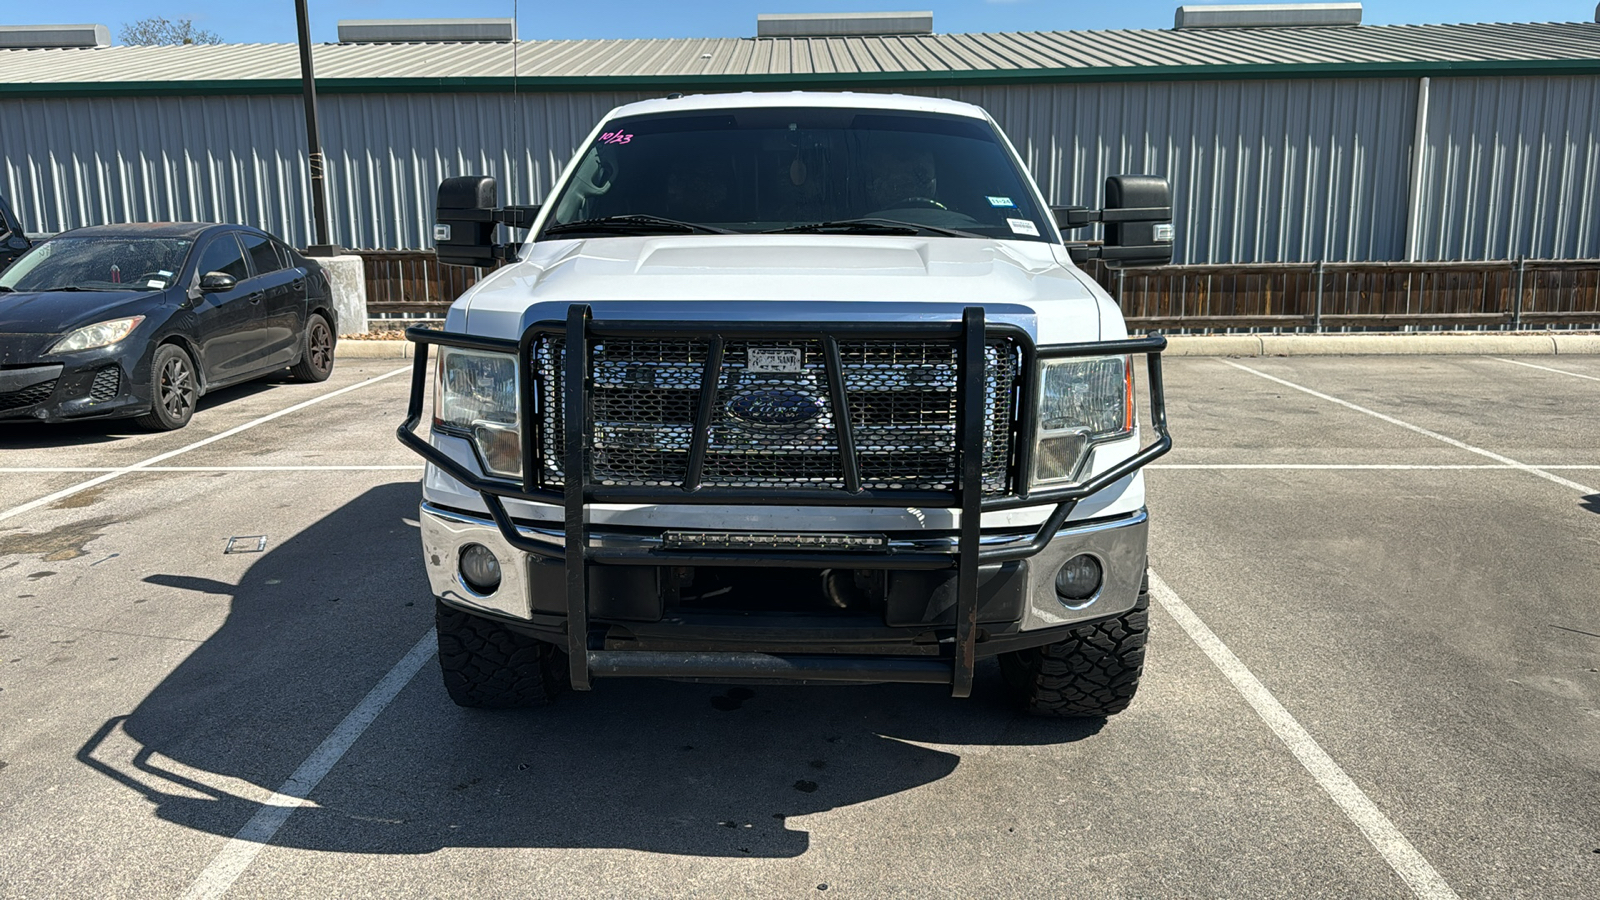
column 828, row 80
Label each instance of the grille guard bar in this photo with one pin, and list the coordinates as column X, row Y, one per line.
column 969, row 335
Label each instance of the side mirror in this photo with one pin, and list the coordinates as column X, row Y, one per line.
column 217, row 283
column 1138, row 217
column 1138, row 220
column 465, row 215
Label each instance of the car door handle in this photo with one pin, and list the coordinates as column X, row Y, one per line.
column 299, row 284
column 255, row 297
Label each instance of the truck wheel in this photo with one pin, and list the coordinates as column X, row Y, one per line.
column 489, row 666
column 1093, row 672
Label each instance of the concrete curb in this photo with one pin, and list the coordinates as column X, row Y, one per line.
column 374, row 349
column 1484, row 344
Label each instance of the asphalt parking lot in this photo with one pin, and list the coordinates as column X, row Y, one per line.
column 1373, row 673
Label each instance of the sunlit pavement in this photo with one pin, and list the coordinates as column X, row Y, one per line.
column 1399, row 554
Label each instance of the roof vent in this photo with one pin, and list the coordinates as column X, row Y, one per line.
column 1267, row 15
column 16, row 37
column 426, row 31
column 774, row 25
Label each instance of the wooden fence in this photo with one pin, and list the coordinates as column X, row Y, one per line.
column 1311, row 296
column 411, row 282
column 1319, row 296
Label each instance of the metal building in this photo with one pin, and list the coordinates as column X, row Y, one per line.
column 1283, row 144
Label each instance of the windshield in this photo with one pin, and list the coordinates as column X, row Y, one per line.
column 98, row 264
column 762, row 170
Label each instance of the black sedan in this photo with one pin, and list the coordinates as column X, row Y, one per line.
column 140, row 320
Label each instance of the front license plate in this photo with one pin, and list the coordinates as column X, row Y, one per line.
column 774, row 359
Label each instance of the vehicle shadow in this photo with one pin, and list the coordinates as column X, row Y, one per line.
column 660, row 766
column 30, row 435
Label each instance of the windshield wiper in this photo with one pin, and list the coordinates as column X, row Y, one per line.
column 870, row 225
column 636, row 223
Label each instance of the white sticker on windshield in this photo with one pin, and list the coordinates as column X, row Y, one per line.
column 1000, row 201
column 1023, row 226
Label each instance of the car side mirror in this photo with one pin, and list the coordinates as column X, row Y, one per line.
column 1138, row 220
column 1138, row 217
column 465, row 215
column 217, row 283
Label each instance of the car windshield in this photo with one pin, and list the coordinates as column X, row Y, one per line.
column 98, row 264
column 807, row 169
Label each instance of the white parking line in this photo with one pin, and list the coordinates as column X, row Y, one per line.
column 1531, row 470
column 50, row 470
column 242, row 849
column 1418, row 874
column 1381, row 467
column 1518, row 362
column 161, row 457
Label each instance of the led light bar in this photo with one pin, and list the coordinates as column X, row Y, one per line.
column 770, row 540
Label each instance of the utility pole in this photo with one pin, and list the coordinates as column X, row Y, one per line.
column 322, row 246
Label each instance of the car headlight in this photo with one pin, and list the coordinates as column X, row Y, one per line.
column 1081, row 402
column 478, row 394
column 100, row 334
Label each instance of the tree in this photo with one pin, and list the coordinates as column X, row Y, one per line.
column 157, row 30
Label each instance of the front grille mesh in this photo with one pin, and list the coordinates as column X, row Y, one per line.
column 776, row 429
column 105, row 385
column 28, row 396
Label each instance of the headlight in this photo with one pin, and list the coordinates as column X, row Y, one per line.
column 1081, row 402
column 100, row 334
column 478, row 394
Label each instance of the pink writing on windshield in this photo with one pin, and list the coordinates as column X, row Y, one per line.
column 615, row 137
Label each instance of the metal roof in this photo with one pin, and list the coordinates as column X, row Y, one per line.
column 869, row 61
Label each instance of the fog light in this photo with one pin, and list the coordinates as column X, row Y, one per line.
column 480, row 569
column 1078, row 581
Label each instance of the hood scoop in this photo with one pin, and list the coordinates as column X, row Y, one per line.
column 784, row 257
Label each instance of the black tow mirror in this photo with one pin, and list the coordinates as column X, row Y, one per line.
column 465, row 215
column 1138, row 217
column 1138, row 220
column 217, row 283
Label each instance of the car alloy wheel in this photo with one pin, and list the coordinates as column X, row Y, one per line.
column 319, row 344
column 176, row 388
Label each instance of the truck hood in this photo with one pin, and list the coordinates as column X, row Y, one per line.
column 788, row 278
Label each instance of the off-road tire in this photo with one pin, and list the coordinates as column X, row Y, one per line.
column 174, row 390
column 1092, row 673
column 316, row 350
column 488, row 666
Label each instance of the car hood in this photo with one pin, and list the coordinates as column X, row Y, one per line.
column 789, row 278
column 55, row 312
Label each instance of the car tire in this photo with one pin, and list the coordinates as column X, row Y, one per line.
column 316, row 350
column 174, row 388
column 1092, row 673
column 488, row 666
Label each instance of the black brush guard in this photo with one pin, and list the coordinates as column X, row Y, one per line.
column 969, row 335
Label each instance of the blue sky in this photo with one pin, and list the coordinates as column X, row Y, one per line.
column 274, row 21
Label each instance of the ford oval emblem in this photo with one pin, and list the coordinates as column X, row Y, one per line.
column 774, row 408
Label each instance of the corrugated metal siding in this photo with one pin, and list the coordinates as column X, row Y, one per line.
column 87, row 161
column 1267, row 171
column 1512, row 168
column 1262, row 171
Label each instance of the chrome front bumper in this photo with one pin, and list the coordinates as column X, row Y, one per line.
column 1118, row 544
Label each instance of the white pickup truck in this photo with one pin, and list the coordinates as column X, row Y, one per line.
column 792, row 387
